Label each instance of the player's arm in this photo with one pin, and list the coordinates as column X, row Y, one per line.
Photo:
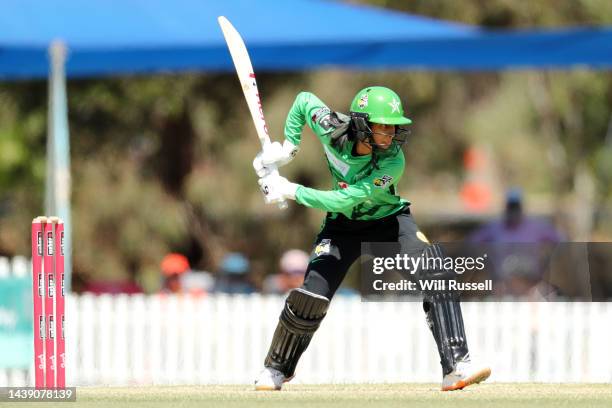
column 369, row 188
column 306, row 109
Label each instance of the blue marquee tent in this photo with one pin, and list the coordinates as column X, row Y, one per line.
column 106, row 37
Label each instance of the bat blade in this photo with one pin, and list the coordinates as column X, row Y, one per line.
column 246, row 76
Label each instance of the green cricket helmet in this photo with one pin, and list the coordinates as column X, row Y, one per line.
column 378, row 104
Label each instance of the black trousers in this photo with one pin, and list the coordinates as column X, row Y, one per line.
column 338, row 245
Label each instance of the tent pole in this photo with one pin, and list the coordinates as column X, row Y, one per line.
column 57, row 191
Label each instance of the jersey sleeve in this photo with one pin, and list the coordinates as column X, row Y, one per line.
column 374, row 187
column 307, row 109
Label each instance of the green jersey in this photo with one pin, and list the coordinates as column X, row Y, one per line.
column 361, row 190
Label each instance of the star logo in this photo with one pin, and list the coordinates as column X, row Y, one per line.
column 395, row 105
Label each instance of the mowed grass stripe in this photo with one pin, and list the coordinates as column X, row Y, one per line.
column 353, row 395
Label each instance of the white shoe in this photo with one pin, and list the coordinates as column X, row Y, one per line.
column 463, row 375
column 270, row 379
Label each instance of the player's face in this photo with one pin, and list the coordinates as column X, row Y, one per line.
column 382, row 134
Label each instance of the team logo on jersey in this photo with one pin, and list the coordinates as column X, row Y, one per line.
column 324, row 247
column 363, row 101
column 343, row 184
column 383, row 181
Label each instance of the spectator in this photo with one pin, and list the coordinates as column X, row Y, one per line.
column 292, row 267
column 172, row 267
column 520, row 246
column 197, row 282
column 522, row 278
column 234, row 275
column 515, row 226
column 179, row 277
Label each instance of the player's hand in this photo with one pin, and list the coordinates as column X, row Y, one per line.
column 277, row 188
column 274, row 154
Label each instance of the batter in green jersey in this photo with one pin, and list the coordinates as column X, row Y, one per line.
column 363, row 152
column 365, row 169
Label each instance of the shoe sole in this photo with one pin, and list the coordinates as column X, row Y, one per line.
column 269, row 388
column 476, row 378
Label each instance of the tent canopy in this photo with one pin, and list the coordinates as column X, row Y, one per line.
column 106, row 37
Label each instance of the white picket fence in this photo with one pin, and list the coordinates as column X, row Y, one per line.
column 222, row 339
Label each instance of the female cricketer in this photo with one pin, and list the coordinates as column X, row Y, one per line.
column 364, row 156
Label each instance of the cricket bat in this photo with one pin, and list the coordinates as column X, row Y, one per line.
column 246, row 75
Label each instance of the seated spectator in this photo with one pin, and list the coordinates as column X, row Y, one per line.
column 520, row 246
column 515, row 226
column 172, row 267
column 292, row 267
column 233, row 276
column 179, row 277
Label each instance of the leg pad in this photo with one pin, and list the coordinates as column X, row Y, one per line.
column 445, row 320
column 443, row 312
column 300, row 318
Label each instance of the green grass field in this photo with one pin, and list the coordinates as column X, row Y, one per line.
column 365, row 395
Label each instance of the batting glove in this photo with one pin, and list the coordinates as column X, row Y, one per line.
column 277, row 188
column 274, row 154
